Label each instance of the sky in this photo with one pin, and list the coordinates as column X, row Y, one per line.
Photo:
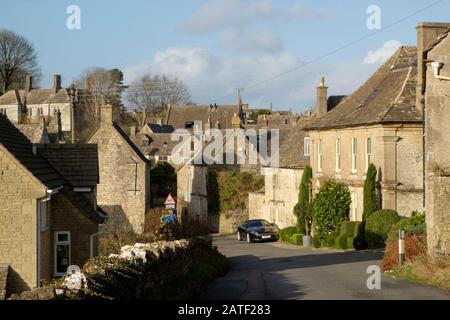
column 276, row 50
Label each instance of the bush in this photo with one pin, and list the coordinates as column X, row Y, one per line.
column 303, row 208
column 415, row 246
column 286, row 233
column 370, row 192
column 348, row 228
column 342, row 242
column 330, row 207
column 297, row 239
column 378, row 226
column 317, row 242
column 332, row 238
column 414, row 225
column 360, row 242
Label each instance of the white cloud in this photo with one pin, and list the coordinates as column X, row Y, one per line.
column 210, row 78
column 224, row 14
column 265, row 41
column 383, row 53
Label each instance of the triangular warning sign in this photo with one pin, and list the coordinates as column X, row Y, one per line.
column 170, row 200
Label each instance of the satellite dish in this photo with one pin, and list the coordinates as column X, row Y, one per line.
column 73, row 269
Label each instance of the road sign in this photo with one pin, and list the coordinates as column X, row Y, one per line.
column 170, row 200
column 170, row 206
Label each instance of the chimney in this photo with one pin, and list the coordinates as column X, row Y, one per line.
column 236, row 122
column 133, row 131
column 56, row 83
column 427, row 33
column 28, row 83
column 106, row 115
column 54, row 125
column 322, row 97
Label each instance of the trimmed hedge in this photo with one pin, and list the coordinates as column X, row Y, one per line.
column 414, row 225
column 291, row 235
column 332, row 238
column 378, row 225
column 360, row 242
column 317, row 242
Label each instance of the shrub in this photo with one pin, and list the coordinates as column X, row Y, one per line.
column 341, row 242
column 317, row 242
column 348, row 228
column 303, row 208
column 412, row 225
column 370, row 192
column 415, row 245
column 297, row 239
column 330, row 207
column 286, row 233
column 332, row 238
column 360, row 242
column 378, row 225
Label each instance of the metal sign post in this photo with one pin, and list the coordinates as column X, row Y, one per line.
column 401, row 247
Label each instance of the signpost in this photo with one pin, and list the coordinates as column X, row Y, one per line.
column 170, row 202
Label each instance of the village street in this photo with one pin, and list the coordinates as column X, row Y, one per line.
column 279, row 271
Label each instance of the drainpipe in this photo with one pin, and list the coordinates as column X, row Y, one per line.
column 436, row 65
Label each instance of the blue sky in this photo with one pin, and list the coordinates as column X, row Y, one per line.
column 217, row 46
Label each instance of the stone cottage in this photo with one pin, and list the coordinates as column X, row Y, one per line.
column 435, row 40
column 46, row 223
column 124, row 188
column 380, row 124
column 275, row 203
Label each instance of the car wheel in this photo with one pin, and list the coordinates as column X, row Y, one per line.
column 249, row 239
column 239, row 236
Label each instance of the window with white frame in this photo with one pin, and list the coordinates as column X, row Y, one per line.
column 30, row 112
column 306, row 146
column 368, row 152
column 319, row 155
column 62, row 252
column 40, row 112
column 338, row 155
column 354, row 154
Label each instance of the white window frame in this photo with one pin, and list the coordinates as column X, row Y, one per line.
column 338, row 155
column 368, row 152
column 319, row 155
column 354, row 155
column 56, row 243
column 306, row 146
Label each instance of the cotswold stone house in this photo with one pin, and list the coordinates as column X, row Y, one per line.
column 435, row 40
column 124, row 189
column 380, row 124
column 46, row 222
column 276, row 201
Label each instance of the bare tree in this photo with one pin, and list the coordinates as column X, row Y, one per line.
column 100, row 86
column 151, row 96
column 17, row 59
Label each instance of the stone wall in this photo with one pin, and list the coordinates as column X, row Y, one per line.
column 280, row 195
column 192, row 195
column 124, row 188
column 437, row 164
column 18, row 194
column 66, row 217
column 396, row 152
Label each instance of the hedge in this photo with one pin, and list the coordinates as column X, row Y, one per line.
column 414, row 225
column 332, row 238
column 378, row 225
column 291, row 235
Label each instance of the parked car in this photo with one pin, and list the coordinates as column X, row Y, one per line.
column 257, row 230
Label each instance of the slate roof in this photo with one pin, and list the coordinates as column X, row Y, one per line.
column 77, row 163
column 35, row 96
column 22, row 149
column 181, row 114
column 155, row 143
column 388, row 96
column 19, row 146
column 160, row 128
column 12, row 97
column 36, row 133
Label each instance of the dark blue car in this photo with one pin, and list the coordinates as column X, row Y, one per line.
column 257, row 230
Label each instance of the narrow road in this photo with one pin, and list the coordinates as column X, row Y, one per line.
column 283, row 272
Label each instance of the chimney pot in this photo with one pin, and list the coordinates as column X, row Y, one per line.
column 322, row 97
column 28, row 83
column 56, row 83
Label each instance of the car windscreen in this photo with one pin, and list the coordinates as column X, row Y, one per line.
column 254, row 224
